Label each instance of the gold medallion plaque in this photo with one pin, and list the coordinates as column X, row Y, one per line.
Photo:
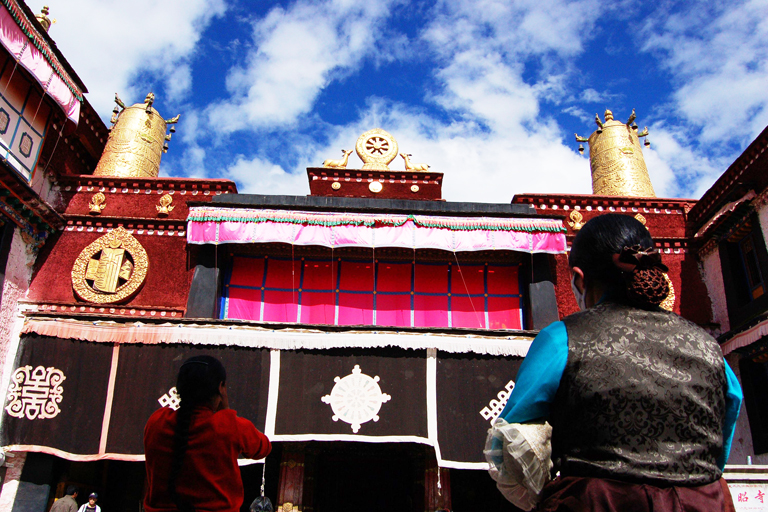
column 376, row 148
column 111, row 269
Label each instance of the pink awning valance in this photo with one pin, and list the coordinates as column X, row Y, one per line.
column 210, row 225
column 30, row 50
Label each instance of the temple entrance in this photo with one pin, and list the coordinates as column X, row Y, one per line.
column 350, row 477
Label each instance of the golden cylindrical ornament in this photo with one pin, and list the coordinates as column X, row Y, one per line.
column 135, row 144
column 616, row 160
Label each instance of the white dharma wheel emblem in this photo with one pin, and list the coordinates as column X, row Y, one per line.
column 356, row 399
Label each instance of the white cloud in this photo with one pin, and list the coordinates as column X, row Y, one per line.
column 523, row 27
column 258, row 176
column 717, row 54
column 678, row 169
column 109, row 42
column 497, row 144
column 478, row 165
column 297, row 52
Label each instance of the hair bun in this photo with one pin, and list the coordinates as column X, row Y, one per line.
column 647, row 286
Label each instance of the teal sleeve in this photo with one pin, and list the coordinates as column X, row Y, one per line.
column 539, row 376
column 733, row 399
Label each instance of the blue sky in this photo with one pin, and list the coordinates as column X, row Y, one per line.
column 488, row 92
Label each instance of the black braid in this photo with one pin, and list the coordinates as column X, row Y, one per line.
column 180, row 442
column 197, row 384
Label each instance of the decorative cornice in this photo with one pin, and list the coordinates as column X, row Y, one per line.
column 165, row 227
column 171, row 186
column 68, row 309
column 588, row 202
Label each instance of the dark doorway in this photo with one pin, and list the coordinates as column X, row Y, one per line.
column 350, row 477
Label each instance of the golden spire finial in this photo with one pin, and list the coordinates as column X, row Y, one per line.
column 43, row 18
column 137, row 140
column 616, row 158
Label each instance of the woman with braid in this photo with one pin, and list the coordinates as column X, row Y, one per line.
column 191, row 454
column 641, row 403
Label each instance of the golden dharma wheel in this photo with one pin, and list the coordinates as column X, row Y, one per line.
column 135, row 144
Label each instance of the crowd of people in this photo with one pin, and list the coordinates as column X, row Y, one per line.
column 68, row 503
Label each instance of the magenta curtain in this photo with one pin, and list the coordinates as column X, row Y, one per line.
column 380, row 292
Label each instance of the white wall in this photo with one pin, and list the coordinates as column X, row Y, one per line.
column 712, row 273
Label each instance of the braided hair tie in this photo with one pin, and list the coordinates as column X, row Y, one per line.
column 643, row 272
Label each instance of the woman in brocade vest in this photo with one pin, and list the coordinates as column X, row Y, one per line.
column 641, row 402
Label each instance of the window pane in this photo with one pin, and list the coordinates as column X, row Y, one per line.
column 355, row 308
column 504, row 313
column 430, row 311
column 356, row 276
column 279, row 306
column 319, row 275
column 503, row 280
column 318, row 308
column 279, row 274
column 247, row 271
column 243, row 303
column 393, row 277
column 431, row 278
column 393, row 310
column 473, row 279
column 468, row 312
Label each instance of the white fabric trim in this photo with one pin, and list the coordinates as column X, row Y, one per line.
column 745, row 338
column 482, row 466
column 110, row 397
column 274, row 386
column 286, row 339
column 349, row 437
column 432, row 401
column 73, row 456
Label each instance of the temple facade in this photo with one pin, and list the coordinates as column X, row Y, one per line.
column 371, row 329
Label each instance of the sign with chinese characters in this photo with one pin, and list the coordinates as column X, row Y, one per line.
column 35, row 394
column 749, row 497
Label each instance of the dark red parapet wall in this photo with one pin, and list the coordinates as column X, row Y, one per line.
column 666, row 220
column 137, row 197
column 132, row 204
column 375, row 184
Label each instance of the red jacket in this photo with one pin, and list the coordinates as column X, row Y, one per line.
column 209, row 478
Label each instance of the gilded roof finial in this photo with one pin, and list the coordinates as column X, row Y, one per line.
column 616, row 158
column 43, row 18
column 137, row 140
